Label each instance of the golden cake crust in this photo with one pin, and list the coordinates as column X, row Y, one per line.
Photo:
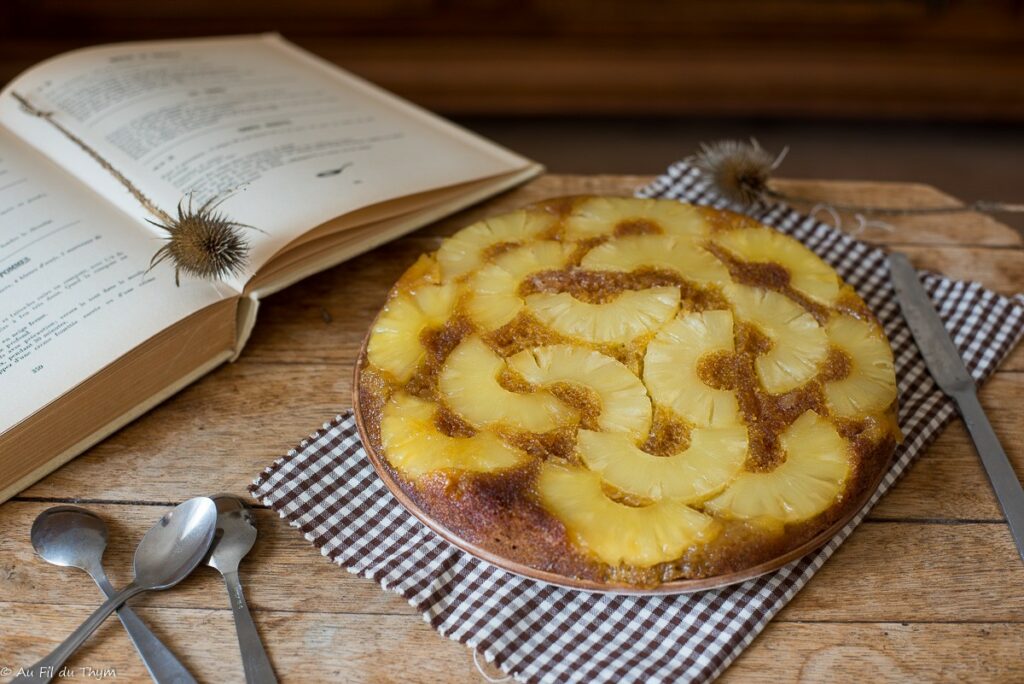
column 500, row 515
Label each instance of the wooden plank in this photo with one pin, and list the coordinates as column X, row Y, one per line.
column 477, row 76
column 216, row 435
column 504, row 57
column 973, row 573
column 1001, row 270
column 307, row 647
column 882, row 652
column 1015, row 361
column 947, row 482
column 349, row 648
column 904, row 572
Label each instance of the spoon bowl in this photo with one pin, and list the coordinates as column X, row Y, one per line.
column 236, row 533
column 176, row 544
column 70, row 537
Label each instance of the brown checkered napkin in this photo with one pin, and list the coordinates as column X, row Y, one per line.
column 540, row 633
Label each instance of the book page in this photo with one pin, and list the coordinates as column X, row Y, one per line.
column 297, row 141
column 74, row 292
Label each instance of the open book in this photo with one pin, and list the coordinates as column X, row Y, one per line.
column 325, row 165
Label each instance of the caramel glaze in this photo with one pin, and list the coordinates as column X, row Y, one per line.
column 599, row 287
column 766, row 415
column 500, row 513
column 450, row 423
column 559, row 443
column 669, row 434
column 526, row 332
column 497, row 249
column 719, row 220
column 637, row 227
column 583, row 399
column 770, row 277
column 438, row 343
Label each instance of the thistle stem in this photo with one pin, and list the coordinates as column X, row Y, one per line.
column 978, row 205
column 146, row 203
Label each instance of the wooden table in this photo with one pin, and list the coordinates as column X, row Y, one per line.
column 930, row 587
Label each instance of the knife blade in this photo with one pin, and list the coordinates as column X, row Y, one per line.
column 951, row 375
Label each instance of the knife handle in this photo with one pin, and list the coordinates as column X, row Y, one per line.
column 997, row 465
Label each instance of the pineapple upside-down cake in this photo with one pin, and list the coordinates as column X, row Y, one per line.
column 628, row 391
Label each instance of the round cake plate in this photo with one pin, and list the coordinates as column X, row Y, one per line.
column 684, row 586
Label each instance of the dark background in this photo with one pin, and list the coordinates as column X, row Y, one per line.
column 917, row 90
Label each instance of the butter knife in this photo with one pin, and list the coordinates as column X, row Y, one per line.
column 947, row 367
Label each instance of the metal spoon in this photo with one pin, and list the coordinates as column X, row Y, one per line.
column 74, row 537
column 165, row 556
column 236, row 533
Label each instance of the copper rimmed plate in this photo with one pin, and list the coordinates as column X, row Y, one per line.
column 685, row 586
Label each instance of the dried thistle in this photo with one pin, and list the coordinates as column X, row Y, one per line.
column 740, row 172
column 202, row 243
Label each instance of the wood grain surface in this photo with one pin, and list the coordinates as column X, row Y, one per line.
column 928, row 59
column 928, row 589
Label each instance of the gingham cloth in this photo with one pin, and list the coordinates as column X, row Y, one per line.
column 539, row 633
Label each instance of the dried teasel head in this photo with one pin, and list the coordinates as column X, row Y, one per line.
column 739, row 171
column 202, row 242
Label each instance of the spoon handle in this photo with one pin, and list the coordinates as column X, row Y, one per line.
column 163, row 667
column 254, row 657
column 50, row 666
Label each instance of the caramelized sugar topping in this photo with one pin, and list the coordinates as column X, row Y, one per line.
column 837, row 365
column 598, row 287
column 450, row 423
column 669, row 434
column 637, row 227
column 583, row 399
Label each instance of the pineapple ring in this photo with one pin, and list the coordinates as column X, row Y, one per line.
column 463, row 252
column 469, row 384
column 808, row 274
column 712, row 460
column 671, row 362
column 670, row 252
column 602, row 215
column 495, row 300
column 625, row 407
column 815, row 470
column 631, row 314
column 799, row 344
column 618, row 534
column 416, row 447
column 871, row 384
column 394, row 344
